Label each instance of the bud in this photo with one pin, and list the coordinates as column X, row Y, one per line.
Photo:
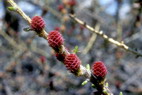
column 37, row 24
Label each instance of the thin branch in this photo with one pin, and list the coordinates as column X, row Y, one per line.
column 7, row 88
column 43, row 34
column 19, row 11
column 100, row 33
column 90, row 44
column 10, row 40
column 131, row 79
column 47, row 6
column 91, row 41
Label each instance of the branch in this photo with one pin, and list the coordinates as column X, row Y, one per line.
column 44, row 34
column 91, row 41
column 100, row 33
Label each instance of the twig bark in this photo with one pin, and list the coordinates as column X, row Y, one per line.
column 7, row 88
column 44, row 34
column 100, row 33
column 91, row 42
column 85, row 72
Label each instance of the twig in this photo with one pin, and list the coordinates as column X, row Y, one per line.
column 133, row 37
column 19, row 11
column 10, row 40
column 111, row 40
column 44, row 34
column 84, row 72
column 7, row 88
column 131, row 79
column 91, row 42
column 47, row 6
column 20, row 49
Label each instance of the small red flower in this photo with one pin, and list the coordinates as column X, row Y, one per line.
column 42, row 59
column 37, row 23
column 57, row 28
column 60, row 57
column 72, row 63
column 60, row 7
column 99, row 69
column 55, row 39
column 72, row 2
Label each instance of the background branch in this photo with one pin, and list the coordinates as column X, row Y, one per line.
column 111, row 40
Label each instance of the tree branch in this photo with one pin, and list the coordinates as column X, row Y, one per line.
column 100, row 33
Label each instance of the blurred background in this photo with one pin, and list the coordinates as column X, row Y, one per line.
column 28, row 65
